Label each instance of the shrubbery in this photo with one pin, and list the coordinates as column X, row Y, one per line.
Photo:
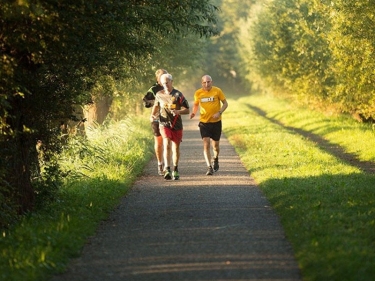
column 321, row 53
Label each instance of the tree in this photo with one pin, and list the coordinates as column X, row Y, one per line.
column 53, row 55
column 222, row 59
column 320, row 52
column 352, row 42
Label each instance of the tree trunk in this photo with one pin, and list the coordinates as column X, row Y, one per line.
column 20, row 175
column 97, row 112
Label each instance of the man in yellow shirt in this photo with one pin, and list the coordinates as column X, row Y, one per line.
column 212, row 103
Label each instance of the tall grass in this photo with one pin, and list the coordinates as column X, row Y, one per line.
column 326, row 204
column 100, row 170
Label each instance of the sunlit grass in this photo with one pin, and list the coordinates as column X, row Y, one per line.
column 326, row 206
column 100, row 170
column 343, row 130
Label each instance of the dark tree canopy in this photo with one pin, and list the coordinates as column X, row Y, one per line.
column 53, row 52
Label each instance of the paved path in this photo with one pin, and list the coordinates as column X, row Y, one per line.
column 201, row 227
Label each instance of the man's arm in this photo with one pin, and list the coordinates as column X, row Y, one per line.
column 182, row 111
column 222, row 109
column 194, row 111
column 154, row 111
column 224, row 106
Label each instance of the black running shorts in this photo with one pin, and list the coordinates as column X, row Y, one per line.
column 210, row 130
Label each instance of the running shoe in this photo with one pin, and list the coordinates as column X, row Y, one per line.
column 176, row 175
column 210, row 171
column 167, row 175
column 160, row 170
column 216, row 164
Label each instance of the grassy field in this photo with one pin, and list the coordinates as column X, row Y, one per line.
column 102, row 168
column 306, row 164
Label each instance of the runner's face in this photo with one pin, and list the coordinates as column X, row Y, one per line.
column 167, row 83
column 206, row 83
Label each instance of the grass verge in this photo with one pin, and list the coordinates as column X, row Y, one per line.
column 326, row 204
column 101, row 168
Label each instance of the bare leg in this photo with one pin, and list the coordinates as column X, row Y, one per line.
column 176, row 153
column 207, row 151
column 216, row 148
column 167, row 152
column 158, row 146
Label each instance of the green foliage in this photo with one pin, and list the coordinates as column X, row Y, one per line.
column 8, row 208
column 106, row 148
column 326, row 204
column 318, row 52
column 352, row 43
column 100, row 170
column 58, row 55
column 47, row 184
column 287, row 49
column 222, row 58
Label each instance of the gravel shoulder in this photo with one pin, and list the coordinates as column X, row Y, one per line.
column 218, row 227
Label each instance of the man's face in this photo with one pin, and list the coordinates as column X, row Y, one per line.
column 206, row 83
column 166, row 83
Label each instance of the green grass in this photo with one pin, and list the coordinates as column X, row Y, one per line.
column 326, row 205
column 101, row 171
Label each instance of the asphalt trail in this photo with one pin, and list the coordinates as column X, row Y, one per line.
column 218, row 227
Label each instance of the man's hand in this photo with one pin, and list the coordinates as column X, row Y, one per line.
column 216, row 115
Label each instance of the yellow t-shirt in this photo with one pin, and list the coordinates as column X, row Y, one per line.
column 209, row 102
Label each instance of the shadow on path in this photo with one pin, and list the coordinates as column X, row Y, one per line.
column 334, row 149
column 201, row 227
